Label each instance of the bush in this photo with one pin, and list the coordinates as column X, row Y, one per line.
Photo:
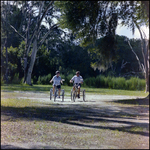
column 107, row 82
column 44, row 79
column 120, row 83
column 91, row 82
column 115, row 83
column 16, row 79
column 134, row 83
column 39, row 80
column 99, row 81
column 21, row 81
column 2, row 80
column 68, row 78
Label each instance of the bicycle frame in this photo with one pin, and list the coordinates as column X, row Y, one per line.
column 56, row 93
column 74, row 92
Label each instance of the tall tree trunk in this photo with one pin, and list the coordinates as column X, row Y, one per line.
column 25, row 68
column 145, row 53
column 147, row 69
column 33, row 57
column 6, row 73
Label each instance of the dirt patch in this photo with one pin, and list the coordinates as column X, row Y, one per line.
column 100, row 123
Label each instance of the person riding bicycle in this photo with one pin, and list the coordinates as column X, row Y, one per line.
column 57, row 82
column 78, row 80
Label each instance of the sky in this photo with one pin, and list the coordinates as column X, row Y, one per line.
column 122, row 30
column 128, row 33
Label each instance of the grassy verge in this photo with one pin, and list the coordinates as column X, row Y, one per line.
column 46, row 88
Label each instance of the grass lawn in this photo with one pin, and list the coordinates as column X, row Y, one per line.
column 46, row 88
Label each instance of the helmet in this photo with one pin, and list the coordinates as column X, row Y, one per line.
column 57, row 72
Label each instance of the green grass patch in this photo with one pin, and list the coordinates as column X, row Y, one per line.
column 17, row 102
column 46, row 88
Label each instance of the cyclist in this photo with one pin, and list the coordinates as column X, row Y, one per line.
column 78, row 80
column 57, row 82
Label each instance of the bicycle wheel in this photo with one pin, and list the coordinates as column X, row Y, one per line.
column 63, row 93
column 55, row 95
column 84, row 95
column 74, row 95
column 51, row 93
column 71, row 94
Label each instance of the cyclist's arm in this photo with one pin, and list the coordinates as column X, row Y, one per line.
column 81, row 80
column 51, row 80
column 71, row 81
column 61, row 81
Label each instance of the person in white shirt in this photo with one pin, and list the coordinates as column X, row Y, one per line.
column 78, row 80
column 57, row 82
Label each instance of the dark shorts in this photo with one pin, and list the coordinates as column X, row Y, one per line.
column 58, row 86
column 76, row 84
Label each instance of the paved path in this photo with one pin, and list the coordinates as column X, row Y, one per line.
column 98, row 107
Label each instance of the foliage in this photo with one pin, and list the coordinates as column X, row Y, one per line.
column 14, row 64
column 68, row 58
column 90, row 20
column 44, row 79
column 134, row 83
column 93, row 23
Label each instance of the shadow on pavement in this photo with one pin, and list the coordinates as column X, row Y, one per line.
column 141, row 101
column 30, row 147
column 79, row 115
column 11, row 147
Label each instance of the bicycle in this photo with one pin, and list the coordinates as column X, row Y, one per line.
column 56, row 93
column 74, row 93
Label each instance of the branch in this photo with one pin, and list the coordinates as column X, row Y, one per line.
column 44, row 14
column 14, row 29
column 143, row 47
column 136, row 57
column 45, row 36
column 38, row 26
column 40, row 56
column 123, row 64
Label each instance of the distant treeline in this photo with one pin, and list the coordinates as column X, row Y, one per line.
column 68, row 58
column 134, row 83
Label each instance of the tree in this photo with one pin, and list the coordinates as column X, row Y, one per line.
column 32, row 27
column 90, row 20
column 139, row 17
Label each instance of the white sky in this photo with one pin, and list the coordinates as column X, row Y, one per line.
column 128, row 33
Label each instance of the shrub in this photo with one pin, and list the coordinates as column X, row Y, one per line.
column 107, row 82
column 134, row 83
column 44, row 79
column 102, row 81
column 21, row 81
column 39, row 80
column 115, row 83
column 2, row 80
column 120, row 83
column 141, row 84
column 91, row 82
column 16, row 79
column 68, row 78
